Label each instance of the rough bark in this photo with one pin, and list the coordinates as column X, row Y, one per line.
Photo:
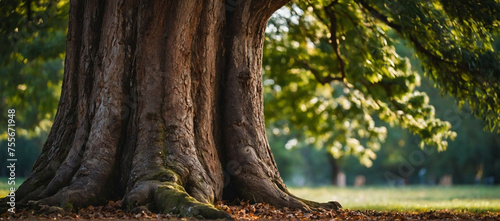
column 161, row 106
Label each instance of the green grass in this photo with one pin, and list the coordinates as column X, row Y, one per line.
column 4, row 185
column 411, row 198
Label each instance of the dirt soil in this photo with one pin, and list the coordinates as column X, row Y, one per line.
column 239, row 211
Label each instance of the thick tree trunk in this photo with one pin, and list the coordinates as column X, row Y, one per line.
column 161, row 106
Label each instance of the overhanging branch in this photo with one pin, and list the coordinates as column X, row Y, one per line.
column 333, row 36
column 323, row 80
column 417, row 44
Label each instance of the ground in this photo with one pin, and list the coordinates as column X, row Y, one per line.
column 382, row 203
column 242, row 211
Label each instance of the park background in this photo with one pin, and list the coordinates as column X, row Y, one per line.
column 400, row 175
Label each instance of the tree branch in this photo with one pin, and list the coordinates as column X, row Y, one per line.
column 379, row 16
column 399, row 29
column 268, row 7
column 417, row 44
column 323, row 80
column 333, row 36
column 28, row 10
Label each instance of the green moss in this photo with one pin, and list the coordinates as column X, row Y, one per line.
column 67, row 206
column 172, row 198
column 166, row 175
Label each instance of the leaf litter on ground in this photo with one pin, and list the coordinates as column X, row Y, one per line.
column 239, row 211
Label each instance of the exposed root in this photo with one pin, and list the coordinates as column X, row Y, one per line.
column 306, row 205
column 162, row 197
column 275, row 193
column 312, row 205
column 330, row 205
column 168, row 197
column 173, row 199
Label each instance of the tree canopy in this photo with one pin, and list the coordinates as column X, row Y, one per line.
column 332, row 69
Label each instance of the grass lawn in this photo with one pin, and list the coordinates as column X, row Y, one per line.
column 4, row 185
column 410, row 198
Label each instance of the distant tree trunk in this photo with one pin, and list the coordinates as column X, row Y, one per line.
column 335, row 167
column 161, row 106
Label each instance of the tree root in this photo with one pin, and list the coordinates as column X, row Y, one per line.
column 157, row 196
column 310, row 206
column 330, row 205
column 170, row 200
column 274, row 192
column 167, row 197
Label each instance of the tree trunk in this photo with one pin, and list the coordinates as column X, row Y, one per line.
column 336, row 169
column 161, row 106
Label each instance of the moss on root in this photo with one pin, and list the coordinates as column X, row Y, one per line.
column 172, row 198
column 68, row 206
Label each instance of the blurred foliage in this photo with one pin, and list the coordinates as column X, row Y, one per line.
column 332, row 70
column 27, row 152
column 474, row 157
column 33, row 39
